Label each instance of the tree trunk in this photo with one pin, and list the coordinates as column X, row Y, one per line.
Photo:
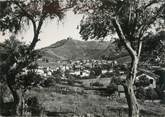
column 132, row 102
column 129, row 90
column 34, row 42
column 1, row 98
column 15, row 94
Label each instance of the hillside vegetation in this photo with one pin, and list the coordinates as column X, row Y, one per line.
column 76, row 49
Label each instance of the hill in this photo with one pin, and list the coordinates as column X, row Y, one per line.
column 76, row 49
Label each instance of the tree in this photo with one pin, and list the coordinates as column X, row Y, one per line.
column 131, row 21
column 153, row 49
column 16, row 15
column 24, row 79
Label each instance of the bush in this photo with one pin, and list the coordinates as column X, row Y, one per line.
column 49, row 82
column 151, row 94
column 141, row 93
column 57, row 74
column 111, row 88
column 117, row 80
column 143, row 81
column 33, row 106
column 70, row 82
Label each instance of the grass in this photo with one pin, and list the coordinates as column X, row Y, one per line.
column 88, row 103
column 77, row 104
column 63, row 100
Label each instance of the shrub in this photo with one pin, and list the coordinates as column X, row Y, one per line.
column 49, row 82
column 33, row 106
column 141, row 93
column 57, row 74
column 70, row 82
column 143, row 81
column 151, row 94
column 111, row 88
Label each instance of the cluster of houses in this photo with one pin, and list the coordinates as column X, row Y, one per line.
column 81, row 68
column 84, row 68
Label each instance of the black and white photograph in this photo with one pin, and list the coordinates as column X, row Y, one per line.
column 82, row 58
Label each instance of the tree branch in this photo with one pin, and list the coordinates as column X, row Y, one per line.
column 140, row 43
column 36, row 33
column 150, row 3
column 144, row 27
column 127, row 44
column 26, row 14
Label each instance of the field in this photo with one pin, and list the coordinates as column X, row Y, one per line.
column 73, row 101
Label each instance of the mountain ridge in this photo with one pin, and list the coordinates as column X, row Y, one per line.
column 75, row 49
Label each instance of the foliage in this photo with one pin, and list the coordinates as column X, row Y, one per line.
column 151, row 94
column 96, row 70
column 106, row 66
column 141, row 93
column 146, row 94
column 18, row 69
column 112, row 88
column 143, row 81
column 154, row 48
column 28, row 81
column 17, row 14
column 131, row 21
column 50, row 81
column 98, row 22
column 16, row 52
column 34, row 106
column 71, row 82
column 57, row 73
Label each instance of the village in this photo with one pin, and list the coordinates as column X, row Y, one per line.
column 96, row 71
column 101, row 79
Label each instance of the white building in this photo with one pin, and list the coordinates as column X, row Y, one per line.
column 150, row 78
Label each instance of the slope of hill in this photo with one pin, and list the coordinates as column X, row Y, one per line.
column 75, row 49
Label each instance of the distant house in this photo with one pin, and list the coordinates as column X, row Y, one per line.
column 77, row 72
column 104, row 71
column 49, row 73
column 151, row 78
column 81, row 73
column 85, row 73
column 40, row 72
column 111, row 70
column 121, row 72
column 64, row 68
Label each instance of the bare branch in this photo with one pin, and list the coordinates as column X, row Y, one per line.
column 151, row 3
column 127, row 44
column 36, row 33
column 140, row 43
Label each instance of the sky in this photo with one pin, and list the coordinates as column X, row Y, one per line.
column 53, row 31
